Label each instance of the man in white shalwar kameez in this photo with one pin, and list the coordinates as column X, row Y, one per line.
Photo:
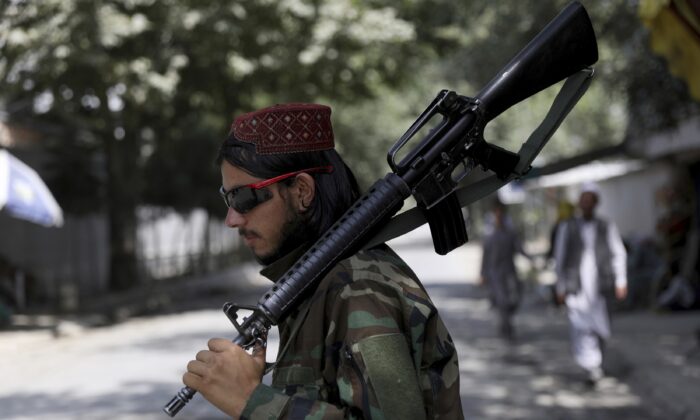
column 590, row 260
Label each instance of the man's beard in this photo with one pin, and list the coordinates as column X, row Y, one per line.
column 295, row 232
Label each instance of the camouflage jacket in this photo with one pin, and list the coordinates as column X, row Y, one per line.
column 368, row 343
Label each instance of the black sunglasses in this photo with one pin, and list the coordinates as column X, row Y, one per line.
column 246, row 197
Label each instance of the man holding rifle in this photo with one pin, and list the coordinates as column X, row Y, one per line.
column 367, row 342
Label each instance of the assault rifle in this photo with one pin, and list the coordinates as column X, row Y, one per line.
column 432, row 170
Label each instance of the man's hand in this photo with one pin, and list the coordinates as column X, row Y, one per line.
column 226, row 374
column 621, row 292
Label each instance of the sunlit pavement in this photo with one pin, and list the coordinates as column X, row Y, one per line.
column 130, row 370
column 533, row 377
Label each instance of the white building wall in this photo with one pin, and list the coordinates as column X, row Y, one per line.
column 628, row 190
column 630, row 200
column 168, row 240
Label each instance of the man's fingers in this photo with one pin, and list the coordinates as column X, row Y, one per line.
column 220, row 344
column 191, row 380
column 197, row 367
column 205, row 356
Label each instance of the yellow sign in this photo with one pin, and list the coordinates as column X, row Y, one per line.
column 674, row 27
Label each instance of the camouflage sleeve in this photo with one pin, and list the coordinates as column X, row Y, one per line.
column 367, row 328
column 379, row 325
column 267, row 403
column 397, row 359
column 355, row 314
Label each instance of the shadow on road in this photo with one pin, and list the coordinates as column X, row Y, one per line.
column 533, row 376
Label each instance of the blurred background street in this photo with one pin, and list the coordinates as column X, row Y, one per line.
column 130, row 370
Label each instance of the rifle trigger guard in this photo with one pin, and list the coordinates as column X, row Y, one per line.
column 231, row 312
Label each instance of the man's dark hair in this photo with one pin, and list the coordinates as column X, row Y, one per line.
column 335, row 192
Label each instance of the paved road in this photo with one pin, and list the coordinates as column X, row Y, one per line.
column 534, row 377
column 128, row 371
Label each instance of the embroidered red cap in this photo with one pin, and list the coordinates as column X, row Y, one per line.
column 286, row 128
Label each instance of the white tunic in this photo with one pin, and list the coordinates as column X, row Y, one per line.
column 587, row 310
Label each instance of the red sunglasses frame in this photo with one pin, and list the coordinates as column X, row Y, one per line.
column 267, row 182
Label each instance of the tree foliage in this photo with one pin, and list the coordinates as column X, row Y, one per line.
column 142, row 91
column 148, row 88
column 632, row 94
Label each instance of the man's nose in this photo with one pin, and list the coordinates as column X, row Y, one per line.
column 234, row 219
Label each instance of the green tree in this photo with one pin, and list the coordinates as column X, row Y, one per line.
column 632, row 93
column 143, row 90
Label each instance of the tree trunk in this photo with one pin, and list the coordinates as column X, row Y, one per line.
column 122, row 196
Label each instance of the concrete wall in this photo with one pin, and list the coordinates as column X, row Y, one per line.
column 627, row 197
column 630, row 200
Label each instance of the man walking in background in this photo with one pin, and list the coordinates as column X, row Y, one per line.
column 590, row 261
column 498, row 271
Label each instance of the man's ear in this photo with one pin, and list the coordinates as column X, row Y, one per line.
column 303, row 191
